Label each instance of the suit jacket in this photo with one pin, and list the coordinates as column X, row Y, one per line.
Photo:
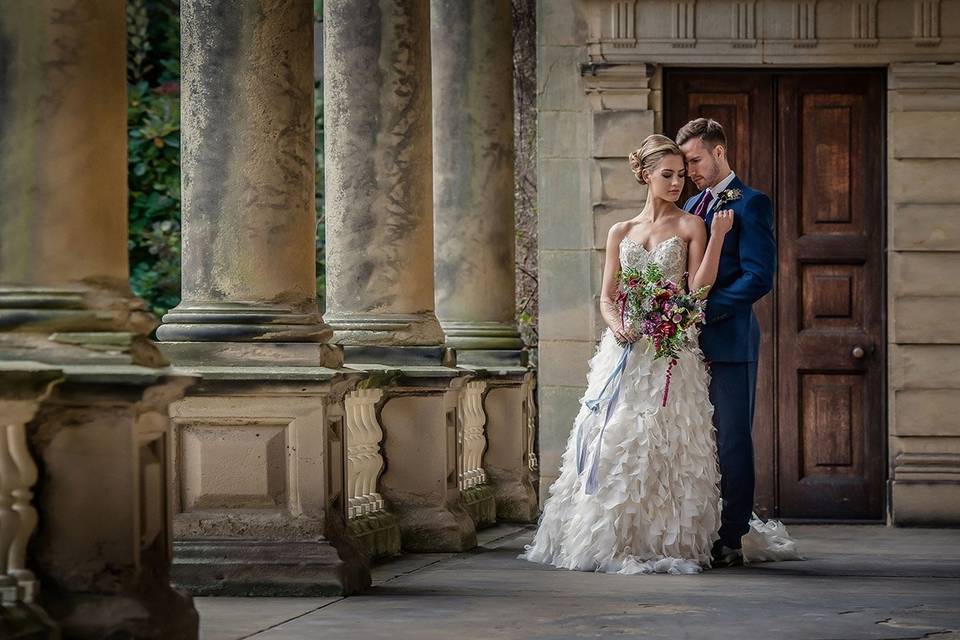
column 748, row 265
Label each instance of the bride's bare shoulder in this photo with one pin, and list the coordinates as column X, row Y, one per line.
column 619, row 230
column 693, row 226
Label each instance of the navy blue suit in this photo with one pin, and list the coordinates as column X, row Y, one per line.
column 730, row 341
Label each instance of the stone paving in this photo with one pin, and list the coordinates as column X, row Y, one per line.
column 859, row 582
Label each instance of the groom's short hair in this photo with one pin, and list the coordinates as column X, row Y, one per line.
column 708, row 130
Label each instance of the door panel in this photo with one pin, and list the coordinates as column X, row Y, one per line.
column 811, row 141
column 743, row 103
column 830, row 186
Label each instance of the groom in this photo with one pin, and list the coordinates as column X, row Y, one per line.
column 730, row 339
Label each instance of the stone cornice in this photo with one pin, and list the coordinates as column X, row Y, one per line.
column 797, row 32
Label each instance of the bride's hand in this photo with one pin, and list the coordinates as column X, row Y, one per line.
column 624, row 335
column 722, row 222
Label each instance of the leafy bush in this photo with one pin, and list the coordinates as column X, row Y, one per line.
column 153, row 129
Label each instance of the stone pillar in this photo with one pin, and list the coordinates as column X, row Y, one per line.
column 379, row 180
column 379, row 223
column 473, row 178
column 63, row 174
column 259, row 459
column 249, row 217
column 98, row 560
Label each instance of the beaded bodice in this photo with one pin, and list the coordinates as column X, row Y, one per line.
column 670, row 255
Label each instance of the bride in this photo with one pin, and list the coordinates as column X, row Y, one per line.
column 652, row 504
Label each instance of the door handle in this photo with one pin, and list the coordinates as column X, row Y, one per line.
column 859, row 352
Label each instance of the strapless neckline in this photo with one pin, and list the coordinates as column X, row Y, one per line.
column 655, row 247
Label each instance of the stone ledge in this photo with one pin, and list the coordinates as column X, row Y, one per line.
column 266, row 568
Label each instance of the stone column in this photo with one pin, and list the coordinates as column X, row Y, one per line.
column 379, row 222
column 258, row 462
column 249, row 217
column 473, row 177
column 379, row 181
column 98, row 560
column 63, row 173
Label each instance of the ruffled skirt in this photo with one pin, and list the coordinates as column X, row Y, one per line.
column 656, row 508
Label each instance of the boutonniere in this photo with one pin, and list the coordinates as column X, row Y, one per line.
column 727, row 196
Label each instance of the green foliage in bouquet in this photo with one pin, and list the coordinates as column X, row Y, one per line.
column 658, row 309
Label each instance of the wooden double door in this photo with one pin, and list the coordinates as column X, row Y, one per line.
column 813, row 141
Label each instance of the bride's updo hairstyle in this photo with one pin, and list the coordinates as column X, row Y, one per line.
column 654, row 149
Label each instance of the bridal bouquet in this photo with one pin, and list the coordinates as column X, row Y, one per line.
column 660, row 311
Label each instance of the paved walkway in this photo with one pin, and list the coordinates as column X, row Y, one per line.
column 859, row 582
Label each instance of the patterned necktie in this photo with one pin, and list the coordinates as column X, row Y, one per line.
column 704, row 203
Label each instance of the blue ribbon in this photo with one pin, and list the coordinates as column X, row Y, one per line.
column 593, row 404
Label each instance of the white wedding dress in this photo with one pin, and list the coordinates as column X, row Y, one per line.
column 653, row 502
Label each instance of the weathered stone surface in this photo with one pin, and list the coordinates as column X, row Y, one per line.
column 62, row 222
column 473, row 178
column 562, row 134
column 258, row 460
column 925, row 412
column 924, row 181
column 558, row 80
column 922, row 134
column 924, row 274
column 511, row 430
column 565, row 363
column 103, row 433
column 564, row 206
column 925, row 319
column 565, row 299
column 419, row 484
column 925, row 227
column 249, row 215
column 618, row 133
column 378, row 169
column 918, row 366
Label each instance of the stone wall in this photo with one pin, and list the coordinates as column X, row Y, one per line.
column 923, row 154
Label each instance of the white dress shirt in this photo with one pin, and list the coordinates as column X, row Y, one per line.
column 718, row 189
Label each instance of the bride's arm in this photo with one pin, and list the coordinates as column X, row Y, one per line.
column 608, row 290
column 703, row 256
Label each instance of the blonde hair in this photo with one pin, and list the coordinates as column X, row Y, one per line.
column 654, row 149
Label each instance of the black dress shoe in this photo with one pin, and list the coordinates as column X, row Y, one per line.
column 723, row 556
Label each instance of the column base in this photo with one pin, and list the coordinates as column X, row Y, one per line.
column 232, row 354
column 167, row 616
column 496, row 336
column 399, row 356
column 515, row 497
column 21, row 621
column 372, row 329
column 432, row 528
column 258, row 470
column 241, row 322
column 265, row 568
column 377, row 533
column 492, row 358
column 46, row 310
column 481, row 505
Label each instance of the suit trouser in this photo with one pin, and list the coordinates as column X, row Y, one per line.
column 733, row 393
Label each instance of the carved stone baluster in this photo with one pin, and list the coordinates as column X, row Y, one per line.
column 369, row 521
column 9, row 519
column 477, row 495
column 22, row 495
